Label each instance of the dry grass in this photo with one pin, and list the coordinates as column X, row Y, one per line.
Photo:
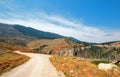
column 52, row 45
column 11, row 60
column 79, row 67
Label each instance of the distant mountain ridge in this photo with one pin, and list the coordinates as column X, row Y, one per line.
column 6, row 29
column 28, row 31
column 22, row 33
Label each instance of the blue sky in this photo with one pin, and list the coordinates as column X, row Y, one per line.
column 87, row 20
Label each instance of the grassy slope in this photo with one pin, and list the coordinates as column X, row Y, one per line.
column 9, row 59
column 78, row 67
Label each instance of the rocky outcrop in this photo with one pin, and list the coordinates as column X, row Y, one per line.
column 61, row 46
column 107, row 67
column 69, row 50
column 63, row 50
column 66, row 47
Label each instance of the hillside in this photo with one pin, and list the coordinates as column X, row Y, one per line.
column 107, row 51
column 66, row 47
column 9, row 59
column 62, row 46
column 21, row 35
column 27, row 31
column 9, row 34
column 15, row 30
column 81, row 67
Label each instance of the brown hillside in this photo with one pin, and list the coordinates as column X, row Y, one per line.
column 52, row 46
column 117, row 44
column 9, row 59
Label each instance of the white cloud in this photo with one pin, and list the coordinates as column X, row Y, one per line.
column 60, row 25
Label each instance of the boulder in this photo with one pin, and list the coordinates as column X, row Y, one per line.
column 107, row 66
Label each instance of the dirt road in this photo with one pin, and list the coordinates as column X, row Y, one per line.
column 38, row 66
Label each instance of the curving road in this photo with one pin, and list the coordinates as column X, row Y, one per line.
column 38, row 66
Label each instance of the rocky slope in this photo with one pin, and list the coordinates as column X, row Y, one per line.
column 108, row 50
column 66, row 47
column 62, row 46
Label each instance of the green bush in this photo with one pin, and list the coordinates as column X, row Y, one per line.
column 96, row 62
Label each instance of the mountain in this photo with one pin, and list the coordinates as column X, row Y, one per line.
column 74, row 39
column 26, row 34
column 27, row 31
column 21, row 35
column 78, row 41
column 14, row 30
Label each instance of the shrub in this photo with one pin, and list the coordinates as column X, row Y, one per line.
column 96, row 62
